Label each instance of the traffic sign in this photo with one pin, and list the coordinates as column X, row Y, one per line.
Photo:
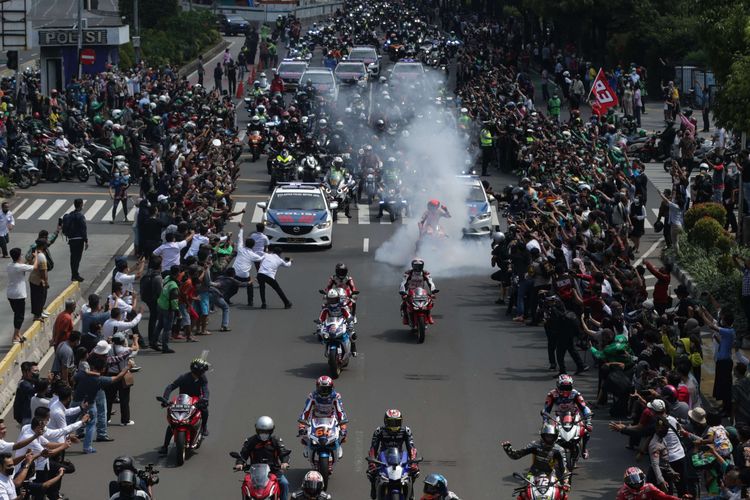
column 88, row 56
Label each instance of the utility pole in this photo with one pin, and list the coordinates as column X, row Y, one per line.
column 80, row 36
column 137, row 41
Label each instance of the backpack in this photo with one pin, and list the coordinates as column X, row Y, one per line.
column 148, row 287
column 67, row 225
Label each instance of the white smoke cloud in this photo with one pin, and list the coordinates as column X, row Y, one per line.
column 436, row 154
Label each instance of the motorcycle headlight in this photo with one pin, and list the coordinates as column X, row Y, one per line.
column 325, row 335
column 324, row 225
column 300, row 169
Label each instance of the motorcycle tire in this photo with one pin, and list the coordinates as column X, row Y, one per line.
column 333, row 364
column 396, row 496
column 54, row 175
column 35, row 178
column 99, row 180
column 23, row 180
column 324, row 471
column 83, row 175
column 421, row 327
column 571, row 457
column 180, row 442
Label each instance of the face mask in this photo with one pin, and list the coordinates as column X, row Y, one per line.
column 264, row 436
column 126, row 178
column 35, row 376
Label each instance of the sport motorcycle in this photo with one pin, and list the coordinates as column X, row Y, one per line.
column 323, row 445
column 394, row 480
column 185, row 419
column 540, row 487
column 336, row 337
column 419, row 304
column 259, row 483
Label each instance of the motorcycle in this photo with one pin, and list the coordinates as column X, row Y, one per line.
column 309, row 170
column 104, row 169
column 419, row 304
column 571, row 431
column 541, row 487
column 392, row 203
column 323, row 445
column 428, row 234
column 185, row 419
column 259, row 483
column 394, row 482
column 370, row 186
column 255, row 142
column 336, row 336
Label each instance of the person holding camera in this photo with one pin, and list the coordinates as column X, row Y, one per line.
column 131, row 482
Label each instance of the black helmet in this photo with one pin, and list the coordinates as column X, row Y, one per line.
column 417, row 265
column 312, row 485
column 341, row 270
column 548, row 433
column 122, row 463
column 634, row 478
column 199, row 366
column 127, row 481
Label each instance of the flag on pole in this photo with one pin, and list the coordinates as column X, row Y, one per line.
column 604, row 96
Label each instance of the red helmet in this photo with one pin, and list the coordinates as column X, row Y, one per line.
column 565, row 385
column 433, row 204
column 634, row 478
column 324, row 385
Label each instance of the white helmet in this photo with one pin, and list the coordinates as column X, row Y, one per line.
column 332, row 297
column 703, row 166
column 108, row 124
column 116, row 114
column 264, row 426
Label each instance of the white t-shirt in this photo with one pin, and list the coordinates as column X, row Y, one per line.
column 6, row 221
column 170, row 254
column 7, row 488
column 17, row 280
column 195, row 244
column 6, row 447
column 127, row 281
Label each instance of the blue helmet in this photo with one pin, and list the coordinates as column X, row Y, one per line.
column 436, row 484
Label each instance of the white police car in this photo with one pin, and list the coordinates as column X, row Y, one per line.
column 482, row 215
column 298, row 214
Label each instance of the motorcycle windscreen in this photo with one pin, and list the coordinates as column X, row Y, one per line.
column 259, row 475
column 392, row 457
column 323, row 422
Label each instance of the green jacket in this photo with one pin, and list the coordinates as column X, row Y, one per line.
column 169, row 298
column 553, row 106
column 617, row 352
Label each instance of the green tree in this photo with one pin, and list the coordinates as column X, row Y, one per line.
column 151, row 13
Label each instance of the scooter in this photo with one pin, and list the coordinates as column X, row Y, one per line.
column 104, row 168
column 185, row 419
column 323, row 445
column 419, row 304
column 394, row 481
column 259, row 483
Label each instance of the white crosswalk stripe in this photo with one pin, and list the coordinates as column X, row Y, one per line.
column 257, row 215
column 29, row 212
column 108, row 214
column 52, row 210
column 363, row 214
column 15, row 209
column 95, row 207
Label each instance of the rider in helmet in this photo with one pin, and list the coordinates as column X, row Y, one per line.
column 123, row 463
column 547, row 456
column 432, row 215
column 337, row 304
column 324, row 402
column 416, row 277
column 565, row 398
column 265, row 448
column 312, row 488
column 193, row 383
column 392, row 434
column 336, row 177
column 342, row 279
column 635, row 487
column 436, row 488
column 255, row 124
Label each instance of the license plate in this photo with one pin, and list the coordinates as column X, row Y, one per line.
column 295, row 240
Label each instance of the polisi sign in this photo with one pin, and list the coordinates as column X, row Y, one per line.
column 70, row 37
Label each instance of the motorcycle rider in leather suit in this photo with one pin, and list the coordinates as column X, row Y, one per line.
column 565, row 398
column 431, row 218
column 342, row 279
column 265, row 448
column 547, row 456
column 635, row 487
column 312, row 488
column 336, row 305
column 417, row 277
column 324, row 402
column 392, row 434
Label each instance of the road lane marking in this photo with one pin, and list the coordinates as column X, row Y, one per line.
column 363, row 214
column 655, row 212
column 52, row 210
column 257, row 215
column 95, row 207
column 108, row 215
column 648, row 252
column 366, row 245
column 35, row 205
column 20, row 205
column 131, row 214
column 239, row 206
column 359, row 451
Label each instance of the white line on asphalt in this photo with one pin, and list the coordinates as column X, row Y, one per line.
column 648, row 252
column 52, row 210
column 20, row 205
column 647, row 224
column 366, row 245
column 342, row 220
column 363, row 214
column 109, row 275
column 131, row 213
column 35, row 205
column 385, row 220
column 359, row 451
column 649, row 288
column 257, row 215
column 95, row 207
column 108, row 214
column 655, row 211
column 239, row 206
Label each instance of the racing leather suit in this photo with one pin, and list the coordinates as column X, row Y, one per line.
column 411, row 281
column 545, row 458
column 301, row 496
column 340, row 309
column 382, row 439
column 271, row 452
column 347, row 283
column 431, row 218
column 558, row 403
column 648, row 492
column 318, row 406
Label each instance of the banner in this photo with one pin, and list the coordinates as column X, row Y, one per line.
column 604, row 96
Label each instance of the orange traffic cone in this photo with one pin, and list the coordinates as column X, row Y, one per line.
column 240, row 90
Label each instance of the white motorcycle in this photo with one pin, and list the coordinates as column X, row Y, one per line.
column 323, row 445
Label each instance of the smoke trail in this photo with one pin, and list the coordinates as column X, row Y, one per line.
column 435, row 154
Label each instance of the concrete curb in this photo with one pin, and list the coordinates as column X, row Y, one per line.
column 34, row 348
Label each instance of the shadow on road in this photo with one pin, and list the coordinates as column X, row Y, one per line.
column 398, row 336
column 310, row 370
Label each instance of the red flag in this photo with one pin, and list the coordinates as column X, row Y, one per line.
column 604, row 96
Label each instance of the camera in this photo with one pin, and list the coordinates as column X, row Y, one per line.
column 150, row 475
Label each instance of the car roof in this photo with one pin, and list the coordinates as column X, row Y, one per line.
column 470, row 180
column 318, row 70
column 300, row 187
column 235, row 16
column 363, row 47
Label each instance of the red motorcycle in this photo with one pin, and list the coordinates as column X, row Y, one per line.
column 419, row 303
column 259, row 483
column 185, row 419
column 255, row 142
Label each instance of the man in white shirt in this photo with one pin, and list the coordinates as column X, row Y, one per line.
column 7, row 484
column 59, row 412
column 115, row 324
column 7, row 223
column 123, row 275
column 198, row 239
column 9, row 447
column 170, row 251
column 267, row 275
column 42, row 442
column 245, row 260
column 260, row 241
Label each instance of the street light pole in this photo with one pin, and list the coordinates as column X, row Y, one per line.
column 80, row 36
column 136, row 22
